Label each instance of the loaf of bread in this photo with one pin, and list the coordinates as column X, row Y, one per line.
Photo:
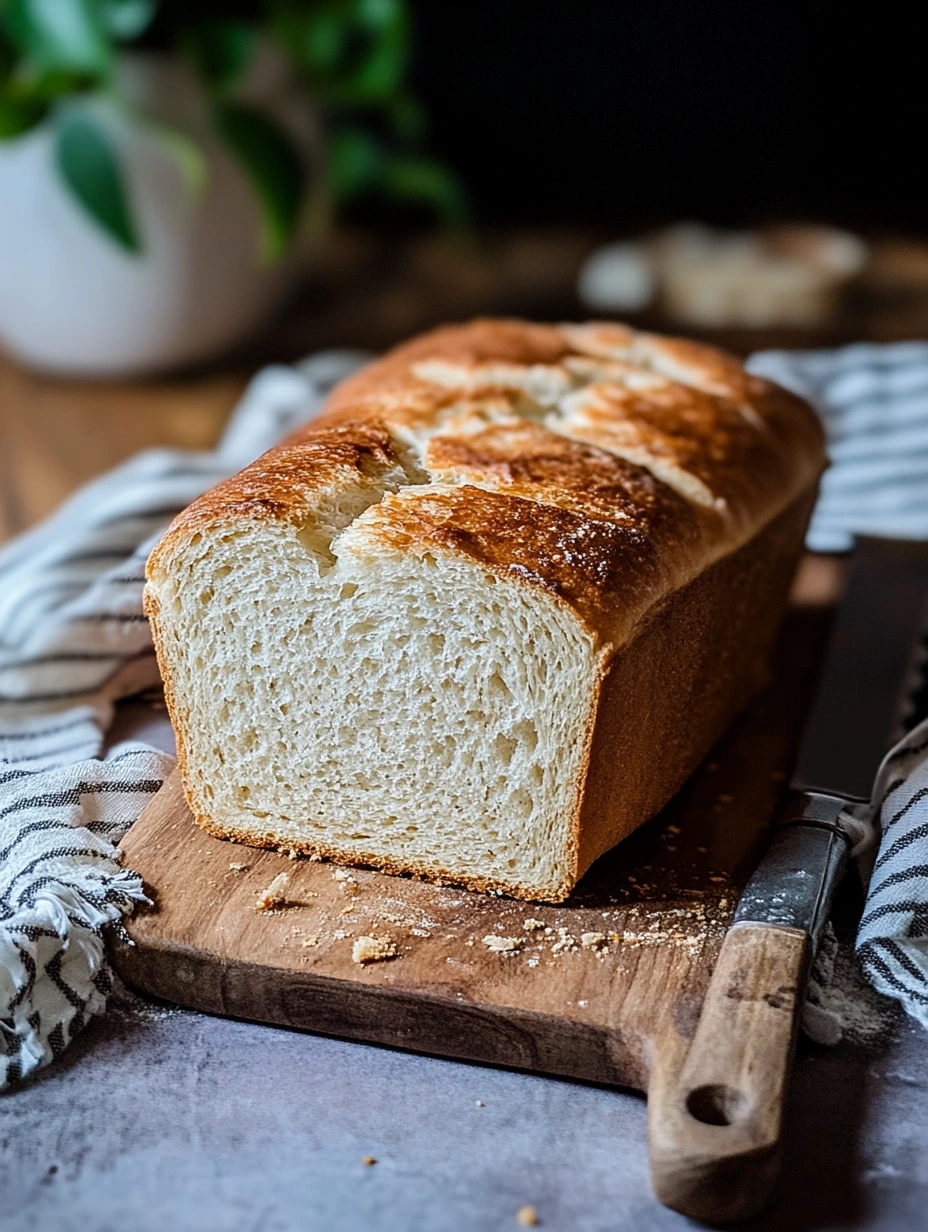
column 483, row 617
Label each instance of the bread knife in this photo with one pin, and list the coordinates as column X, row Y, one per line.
column 715, row 1114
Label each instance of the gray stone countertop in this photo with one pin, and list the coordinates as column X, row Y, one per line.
column 174, row 1121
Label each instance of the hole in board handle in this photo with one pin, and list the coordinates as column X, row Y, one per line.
column 716, row 1104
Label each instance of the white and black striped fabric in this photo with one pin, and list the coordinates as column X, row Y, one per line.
column 892, row 941
column 73, row 640
column 873, row 400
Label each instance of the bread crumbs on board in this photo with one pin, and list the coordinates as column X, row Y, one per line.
column 503, row 945
column 275, row 896
column 373, row 949
column 592, row 941
column 527, row 1216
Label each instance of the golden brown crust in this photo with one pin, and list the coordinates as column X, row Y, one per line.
column 624, row 496
column 279, row 485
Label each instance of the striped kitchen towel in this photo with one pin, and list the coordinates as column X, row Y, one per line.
column 873, row 400
column 892, row 942
column 72, row 641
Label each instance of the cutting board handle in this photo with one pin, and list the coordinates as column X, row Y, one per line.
column 715, row 1115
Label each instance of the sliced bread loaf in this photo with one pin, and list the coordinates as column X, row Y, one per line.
column 484, row 616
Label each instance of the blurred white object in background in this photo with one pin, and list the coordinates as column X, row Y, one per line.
column 72, row 301
column 619, row 277
column 778, row 276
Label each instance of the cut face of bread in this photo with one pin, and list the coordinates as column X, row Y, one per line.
column 407, row 711
column 481, row 620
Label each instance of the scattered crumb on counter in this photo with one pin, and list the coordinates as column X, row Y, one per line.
column 527, row 1216
column 502, row 945
column 238, row 868
column 478, row 1103
column 308, row 942
column 368, row 1161
column 275, row 895
column 532, row 925
column 372, row 949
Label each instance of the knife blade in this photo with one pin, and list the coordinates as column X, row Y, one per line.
column 715, row 1130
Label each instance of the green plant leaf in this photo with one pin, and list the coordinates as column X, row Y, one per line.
column 424, row 181
column 356, row 160
column 353, row 53
column 60, row 34
column 271, row 161
column 18, row 115
column 220, row 51
column 127, row 19
column 91, row 171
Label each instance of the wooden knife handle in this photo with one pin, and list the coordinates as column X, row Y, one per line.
column 715, row 1113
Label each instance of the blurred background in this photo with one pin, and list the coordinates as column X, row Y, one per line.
column 190, row 190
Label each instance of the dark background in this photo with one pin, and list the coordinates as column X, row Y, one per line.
column 633, row 112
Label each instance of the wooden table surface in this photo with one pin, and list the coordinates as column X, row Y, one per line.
column 368, row 291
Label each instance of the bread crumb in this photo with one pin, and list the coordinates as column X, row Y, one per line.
column 565, row 943
column 532, row 925
column 592, row 941
column 502, row 945
column 291, row 853
column 341, row 874
column 309, row 942
column 368, row 1161
column 372, row 949
column 478, row 1103
column 347, row 910
column 275, row 894
column 238, row 868
column 527, row 1216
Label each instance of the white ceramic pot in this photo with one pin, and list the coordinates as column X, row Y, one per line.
column 72, row 301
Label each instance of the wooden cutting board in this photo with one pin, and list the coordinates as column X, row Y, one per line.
column 594, row 989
